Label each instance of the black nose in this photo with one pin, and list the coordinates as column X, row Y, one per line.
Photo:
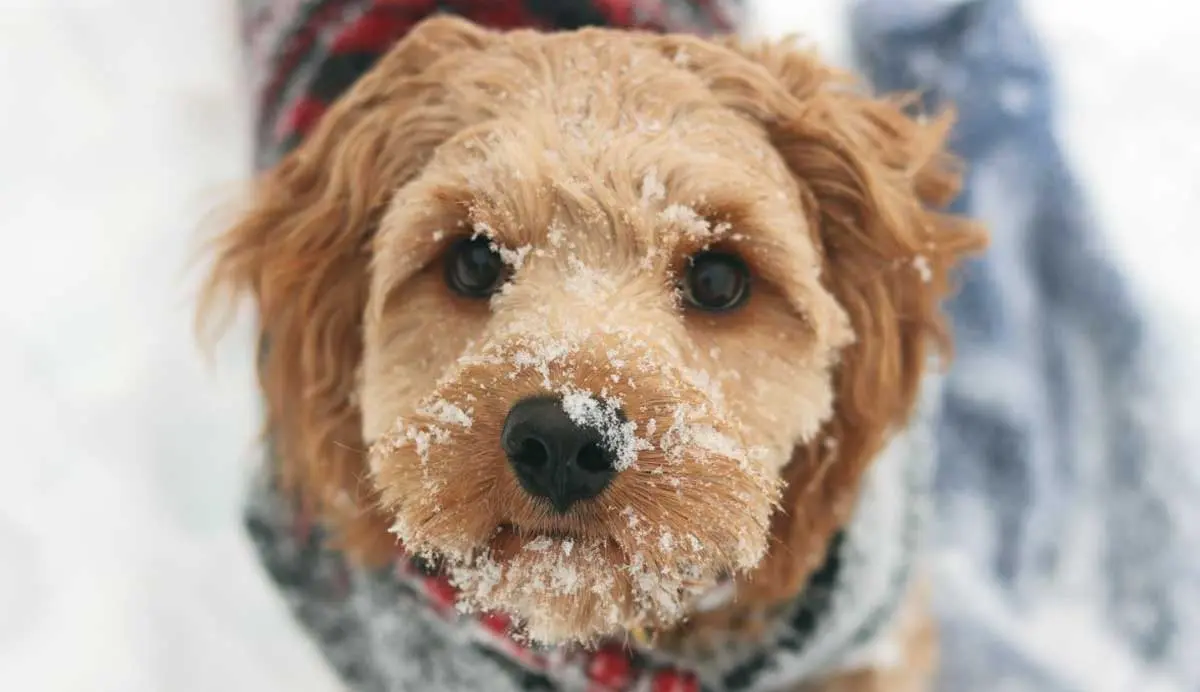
column 554, row 457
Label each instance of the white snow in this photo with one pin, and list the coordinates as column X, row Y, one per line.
column 688, row 221
column 514, row 258
column 653, row 189
column 445, row 412
column 620, row 437
column 122, row 561
column 920, row 263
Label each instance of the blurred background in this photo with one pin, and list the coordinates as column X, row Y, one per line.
column 124, row 128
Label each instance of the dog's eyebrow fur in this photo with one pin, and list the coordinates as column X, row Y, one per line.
column 768, row 227
column 772, row 232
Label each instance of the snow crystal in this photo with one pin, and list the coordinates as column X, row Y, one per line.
column 555, row 234
column 525, row 582
column 588, row 283
column 513, row 258
column 539, row 356
column 921, row 264
column 421, row 442
column 619, row 436
column 686, row 436
column 666, row 541
column 445, row 412
column 565, row 579
column 540, row 544
column 653, row 189
column 690, row 222
column 708, row 438
column 716, row 597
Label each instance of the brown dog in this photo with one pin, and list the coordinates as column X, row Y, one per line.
column 602, row 323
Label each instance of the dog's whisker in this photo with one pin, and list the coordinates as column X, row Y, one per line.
column 352, row 448
column 827, row 459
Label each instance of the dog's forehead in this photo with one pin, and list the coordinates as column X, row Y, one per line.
column 604, row 156
column 592, row 139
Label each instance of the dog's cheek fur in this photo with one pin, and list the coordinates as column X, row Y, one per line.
column 301, row 251
column 871, row 177
column 776, row 367
column 415, row 339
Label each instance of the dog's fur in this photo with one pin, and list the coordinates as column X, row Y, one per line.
column 600, row 161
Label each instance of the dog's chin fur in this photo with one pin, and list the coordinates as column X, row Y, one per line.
column 597, row 163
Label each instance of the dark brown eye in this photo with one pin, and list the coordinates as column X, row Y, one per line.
column 473, row 268
column 716, row 281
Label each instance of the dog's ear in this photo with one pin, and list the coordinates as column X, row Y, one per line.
column 873, row 176
column 301, row 251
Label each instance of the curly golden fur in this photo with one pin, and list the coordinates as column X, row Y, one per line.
column 598, row 162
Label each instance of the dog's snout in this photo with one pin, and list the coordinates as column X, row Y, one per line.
column 554, row 457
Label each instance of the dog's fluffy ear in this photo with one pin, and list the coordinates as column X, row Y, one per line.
column 873, row 177
column 301, row 251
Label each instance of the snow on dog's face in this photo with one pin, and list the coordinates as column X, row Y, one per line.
column 592, row 342
column 595, row 321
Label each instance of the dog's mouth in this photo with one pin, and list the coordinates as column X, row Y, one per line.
column 511, row 538
column 508, row 528
column 555, row 549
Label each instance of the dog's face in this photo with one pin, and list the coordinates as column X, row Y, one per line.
column 595, row 333
column 572, row 316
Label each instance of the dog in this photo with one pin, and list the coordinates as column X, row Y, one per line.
column 592, row 360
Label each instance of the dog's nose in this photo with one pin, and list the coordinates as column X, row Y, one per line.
column 552, row 456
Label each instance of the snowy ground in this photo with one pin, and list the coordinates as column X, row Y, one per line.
column 123, row 123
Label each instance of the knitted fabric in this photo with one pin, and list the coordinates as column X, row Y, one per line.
column 303, row 54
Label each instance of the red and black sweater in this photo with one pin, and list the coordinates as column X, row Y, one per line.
column 304, row 54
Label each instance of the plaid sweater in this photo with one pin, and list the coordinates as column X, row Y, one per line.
column 303, row 54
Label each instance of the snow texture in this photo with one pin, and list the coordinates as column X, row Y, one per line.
column 123, row 564
column 620, row 436
column 1061, row 485
column 665, row 576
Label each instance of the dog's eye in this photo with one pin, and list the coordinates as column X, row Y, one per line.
column 716, row 281
column 473, row 268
